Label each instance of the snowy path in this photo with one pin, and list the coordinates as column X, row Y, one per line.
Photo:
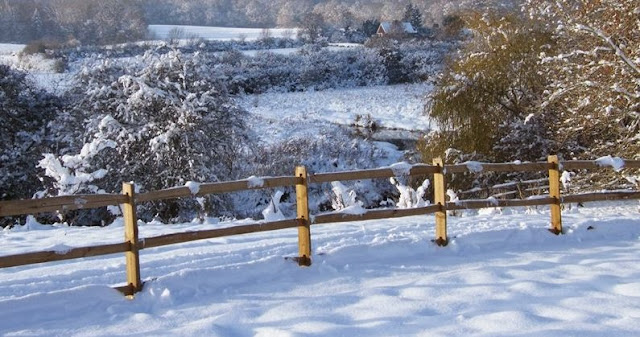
column 501, row 275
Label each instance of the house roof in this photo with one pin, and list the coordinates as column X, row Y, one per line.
column 406, row 27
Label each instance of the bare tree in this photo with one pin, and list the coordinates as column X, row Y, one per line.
column 312, row 27
column 595, row 72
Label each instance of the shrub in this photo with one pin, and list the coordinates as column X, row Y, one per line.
column 42, row 46
column 162, row 125
column 24, row 114
column 337, row 152
column 488, row 91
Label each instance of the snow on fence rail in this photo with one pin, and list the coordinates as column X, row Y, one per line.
column 133, row 244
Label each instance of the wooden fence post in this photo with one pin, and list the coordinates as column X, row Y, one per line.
column 134, row 284
column 554, row 192
column 439, row 198
column 304, row 232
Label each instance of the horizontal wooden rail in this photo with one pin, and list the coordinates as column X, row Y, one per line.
column 488, row 203
column 163, row 240
column 603, row 196
column 579, row 165
column 635, row 164
column 593, row 164
column 175, row 238
column 521, row 182
column 532, row 167
column 496, row 167
column 373, row 214
column 72, row 253
column 420, row 169
column 67, row 202
column 220, row 187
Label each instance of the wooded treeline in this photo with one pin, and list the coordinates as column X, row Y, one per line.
column 72, row 21
column 114, row 21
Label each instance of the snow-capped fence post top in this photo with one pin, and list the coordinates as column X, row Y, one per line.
column 304, row 232
column 554, row 193
column 134, row 284
column 439, row 198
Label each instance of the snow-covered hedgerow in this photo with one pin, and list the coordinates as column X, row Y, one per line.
column 187, row 47
column 159, row 124
column 320, row 68
column 308, row 69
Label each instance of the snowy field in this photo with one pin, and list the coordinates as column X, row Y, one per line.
column 306, row 114
column 501, row 275
column 8, row 48
column 9, row 53
column 219, row 33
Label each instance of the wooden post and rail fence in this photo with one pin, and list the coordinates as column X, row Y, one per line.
column 300, row 180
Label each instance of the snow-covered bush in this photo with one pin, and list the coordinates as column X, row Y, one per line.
column 161, row 125
column 490, row 88
column 594, row 73
column 75, row 53
column 422, row 64
column 272, row 212
column 337, row 151
column 24, row 114
column 409, row 197
column 562, row 80
column 343, row 197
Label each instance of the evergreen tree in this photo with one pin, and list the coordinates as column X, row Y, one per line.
column 37, row 27
column 412, row 15
column 370, row 27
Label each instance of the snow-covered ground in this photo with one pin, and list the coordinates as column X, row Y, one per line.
column 9, row 53
column 219, row 33
column 304, row 114
column 501, row 275
column 40, row 69
column 7, row 48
